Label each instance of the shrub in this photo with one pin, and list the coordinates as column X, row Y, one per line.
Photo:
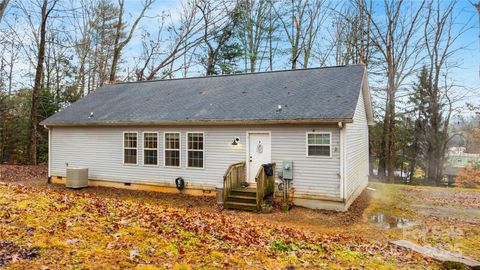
column 469, row 177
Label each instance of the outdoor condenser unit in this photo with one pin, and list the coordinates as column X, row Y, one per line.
column 77, row 178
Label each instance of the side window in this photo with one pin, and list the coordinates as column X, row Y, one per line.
column 172, row 149
column 150, row 148
column 130, row 148
column 319, row 144
column 195, row 147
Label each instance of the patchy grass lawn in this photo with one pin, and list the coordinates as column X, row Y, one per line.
column 448, row 218
column 50, row 227
column 83, row 230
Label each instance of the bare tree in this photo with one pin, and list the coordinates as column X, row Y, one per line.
column 350, row 35
column 3, row 6
column 439, row 38
column 81, row 40
column 477, row 7
column 253, row 30
column 272, row 27
column 183, row 37
column 300, row 24
column 120, row 44
column 393, row 35
column 45, row 13
column 219, row 23
column 10, row 53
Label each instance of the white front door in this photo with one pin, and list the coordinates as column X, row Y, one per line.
column 259, row 152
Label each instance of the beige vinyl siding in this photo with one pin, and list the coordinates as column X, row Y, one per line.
column 100, row 149
column 357, row 149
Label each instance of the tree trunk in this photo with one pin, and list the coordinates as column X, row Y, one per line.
column 211, row 62
column 382, row 158
column 270, row 37
column 116, row 48
column 10, row 72
column 210, row 65
column 32, row 151
column 391, row 132
column 3, row 6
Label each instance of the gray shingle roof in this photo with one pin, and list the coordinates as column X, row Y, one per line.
column 323, row 94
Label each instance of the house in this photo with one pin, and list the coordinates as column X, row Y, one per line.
column 144, row 135
column 457, row 160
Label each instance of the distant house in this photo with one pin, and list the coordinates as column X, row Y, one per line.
column 458, row 159
column 210, row 130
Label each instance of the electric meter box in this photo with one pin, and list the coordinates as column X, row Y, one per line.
column 287, row 171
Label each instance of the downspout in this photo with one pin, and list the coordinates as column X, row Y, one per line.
column 49, row 154
column 343, row 175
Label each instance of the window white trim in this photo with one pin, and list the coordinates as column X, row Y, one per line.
column 165, row 149
column 123, row 148
column 307, row 144
column 145, row 148
column 194, row 150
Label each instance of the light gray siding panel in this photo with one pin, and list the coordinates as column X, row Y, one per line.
column 357, row 149
column 101, row 150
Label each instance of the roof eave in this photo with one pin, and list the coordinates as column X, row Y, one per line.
column 201, row 122
column 367, row 99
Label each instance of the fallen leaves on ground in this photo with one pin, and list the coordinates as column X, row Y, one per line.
column 445, row 196
column 83, row 230
column 10, row 252
column 22, row 173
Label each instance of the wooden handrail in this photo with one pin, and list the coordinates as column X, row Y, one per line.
column 265, row 184
column 232, row 178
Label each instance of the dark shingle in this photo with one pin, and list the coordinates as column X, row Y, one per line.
column 317, row 93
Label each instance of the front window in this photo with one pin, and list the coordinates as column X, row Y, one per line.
column 172, row 149
column 318, row 144
column 130, row 148
column 150, row 148
column 195, row 150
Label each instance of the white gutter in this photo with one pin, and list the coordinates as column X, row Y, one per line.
column 203, row 122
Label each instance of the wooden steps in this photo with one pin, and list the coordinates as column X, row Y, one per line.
column 242, row 199
column 251, row 197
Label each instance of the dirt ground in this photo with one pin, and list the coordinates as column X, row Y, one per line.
column 447, row 218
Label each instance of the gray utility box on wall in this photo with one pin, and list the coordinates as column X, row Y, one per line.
column 77, row 178
column 287, row 171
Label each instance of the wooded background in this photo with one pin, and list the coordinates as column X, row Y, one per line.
column 55, row 52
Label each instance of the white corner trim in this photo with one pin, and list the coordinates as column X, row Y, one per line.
column 49, row 152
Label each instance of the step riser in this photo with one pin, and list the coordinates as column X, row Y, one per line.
column 242, row 200
column 240, row 207
column 245, row 194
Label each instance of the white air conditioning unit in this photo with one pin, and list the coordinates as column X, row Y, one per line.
column 77, row 178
